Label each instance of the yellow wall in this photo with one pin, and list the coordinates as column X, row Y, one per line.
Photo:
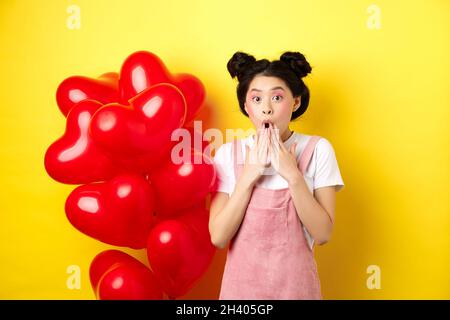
column 379, row 95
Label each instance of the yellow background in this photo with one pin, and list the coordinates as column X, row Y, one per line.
column 379, row 95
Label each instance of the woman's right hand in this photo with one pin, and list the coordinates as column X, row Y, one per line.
column 256, row 159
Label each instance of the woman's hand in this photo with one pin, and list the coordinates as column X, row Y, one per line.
column 283, row 161
column 256, row 159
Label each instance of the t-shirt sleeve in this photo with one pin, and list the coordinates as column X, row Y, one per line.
column 327, row 170
column 224, row 169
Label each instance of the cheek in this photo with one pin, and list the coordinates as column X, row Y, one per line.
column 285, row 110
column 251, row 115
column 250, row 111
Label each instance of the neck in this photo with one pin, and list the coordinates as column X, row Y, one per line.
column 286, row 134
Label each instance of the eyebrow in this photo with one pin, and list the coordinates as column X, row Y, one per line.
column 274, row 88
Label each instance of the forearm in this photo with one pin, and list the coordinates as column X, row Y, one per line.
column 312, row 215
column 228, row 220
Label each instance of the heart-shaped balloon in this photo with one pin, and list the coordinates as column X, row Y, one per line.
column 115, row 275
column 78, row 88
column 119, row 135
column 193, row 91
column 118, row 212
column 183, row 182
column 143, row 69
column 180, row 251
column 142, row 129
column 74, row 158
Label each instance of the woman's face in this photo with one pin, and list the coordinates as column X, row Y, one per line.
column 270, row 99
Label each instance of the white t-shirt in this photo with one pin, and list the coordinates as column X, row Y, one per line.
column 323, row 169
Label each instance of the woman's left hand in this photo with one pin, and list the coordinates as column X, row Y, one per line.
column 283, row 160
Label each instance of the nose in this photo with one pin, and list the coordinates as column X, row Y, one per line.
column 267, row 110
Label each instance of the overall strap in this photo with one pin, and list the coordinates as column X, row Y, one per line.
column 307, row 153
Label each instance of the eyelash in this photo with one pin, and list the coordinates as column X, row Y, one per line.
column 274, row 96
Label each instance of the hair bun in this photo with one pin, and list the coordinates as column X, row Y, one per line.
column 297, row 62
column 238, row 63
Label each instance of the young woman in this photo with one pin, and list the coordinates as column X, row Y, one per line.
column 276, row 191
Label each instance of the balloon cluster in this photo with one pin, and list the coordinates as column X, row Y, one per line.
column 117, row 147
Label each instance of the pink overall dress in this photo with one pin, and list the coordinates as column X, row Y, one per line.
column 269, row 257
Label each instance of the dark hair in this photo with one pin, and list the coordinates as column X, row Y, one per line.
column 291, row 68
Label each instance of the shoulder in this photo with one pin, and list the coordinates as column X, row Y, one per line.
column 321, row 151
column 325, row 166
column 324, row 148
column 324, row 157
column 225, row 151
column 300, row 137
column 223, row 154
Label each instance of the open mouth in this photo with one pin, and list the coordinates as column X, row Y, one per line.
column 266, row 124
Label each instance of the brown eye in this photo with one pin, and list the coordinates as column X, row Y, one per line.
column 280, row 97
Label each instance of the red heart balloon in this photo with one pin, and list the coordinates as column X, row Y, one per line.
column 142, row 129
column 141, row 70
column 74, row 158
column 111, row 77
column 180, row 251
column 103, row 262
column 193, row 91
column 183, row 182
column 115, row 275
column 78, row 88
column 144, row 69
column 117, row 212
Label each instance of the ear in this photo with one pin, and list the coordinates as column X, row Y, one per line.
column 245, row 107
column 297, row 103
